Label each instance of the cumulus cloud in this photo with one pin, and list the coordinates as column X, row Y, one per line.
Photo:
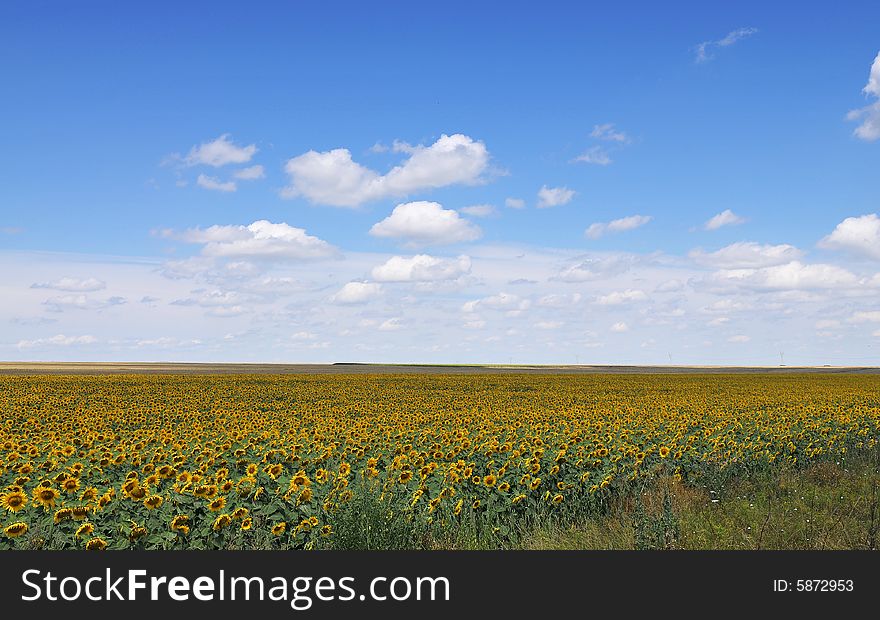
column 596, row 230
column 620, row 327
column 869, row 129
column 514, row 203
column 262, row 239
column 704, row 49
column 739, row 339
column 554, row 196
column 73, row 285
column 215, row 184
column 617, row 298
column 251, row 173
column 746, row 255
column 426, row 223
column 790, row 276
column 57, row 341
column 334, row 178
column 859, row 235
column 725, row 218
column 421, row 268
column 357, row 293
column 479, row 210
column 220, row 152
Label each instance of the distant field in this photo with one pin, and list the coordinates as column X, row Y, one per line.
column 101, row 368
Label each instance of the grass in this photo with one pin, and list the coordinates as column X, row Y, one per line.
column 825, row 506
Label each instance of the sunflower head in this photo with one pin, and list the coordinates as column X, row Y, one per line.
column 15, row 530
column 96, row 544
column 13, row 501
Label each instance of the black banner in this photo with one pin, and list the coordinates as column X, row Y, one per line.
column 436, row 584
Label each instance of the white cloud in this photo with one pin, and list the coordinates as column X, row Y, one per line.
column 740, row 338
column 251, row 173
column 619, row 327
column 357, row 293
column 725, row 218
column 220, row 152
column 75, row 285
column 421, row 268
column 607, row 132
column 554, row 196
column 515, row 203
column 304, row 335
column 549, row 324
column 59, row 341
column 869, row 129
column 501, row 301
column 595, row 155
column 333, row 178
column 392, row 324
column 866, row 316
column 703, row 50
column 81, row 301
column 215, row 184
column 621, row 297
column 860, row 235
column 596, row 268
column 479, row 210
column 426, row 223
column 260, row 239
column 556, row 300
column 746, row 255
column 790, row 276
column 596, row 230
column 827, row 324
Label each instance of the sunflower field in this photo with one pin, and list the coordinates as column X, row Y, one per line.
column 278, row 461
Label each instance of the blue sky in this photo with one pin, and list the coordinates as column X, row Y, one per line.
column 129, row 132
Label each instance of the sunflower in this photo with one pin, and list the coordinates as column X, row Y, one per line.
column 221, row 522
column 535, row 484
column 179, row 521
column 46, row 496
column 13, row 501
column 217, row 504
column 504, row 487
column 326, row 530
column 664, row 452
column 247, row 524
column 405, row 476
column 557, row 499
column 305, row 497
column 15, row 530
column 137, row 531
column 490, row 480
column 240, row 513
column 518, row 498
column 86, row 529
column 64, row 514
column 279, row 528
column 456, row 510
column 96, row 544
column 153, row 502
